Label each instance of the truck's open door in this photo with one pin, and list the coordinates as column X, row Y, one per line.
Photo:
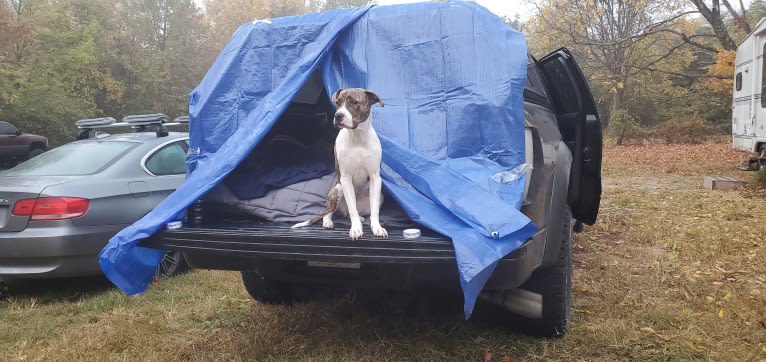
column 580, row 128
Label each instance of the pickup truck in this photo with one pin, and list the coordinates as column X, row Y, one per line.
column 563, row 145
column 18, row 146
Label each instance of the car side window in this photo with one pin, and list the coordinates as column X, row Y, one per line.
column 7, row 129
column 168, row 160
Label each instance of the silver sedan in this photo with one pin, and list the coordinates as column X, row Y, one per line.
column 59, row 209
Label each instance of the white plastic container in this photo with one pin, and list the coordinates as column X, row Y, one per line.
column 411, row 233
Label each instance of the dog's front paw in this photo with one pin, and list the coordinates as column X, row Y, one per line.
column 356, row 231
column 327, row 224
column 379, row 231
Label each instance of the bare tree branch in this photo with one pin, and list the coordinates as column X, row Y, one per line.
column 681, row 74
column 739, row 20
column 713, row 17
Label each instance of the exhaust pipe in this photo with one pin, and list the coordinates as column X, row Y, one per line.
column 517, row 301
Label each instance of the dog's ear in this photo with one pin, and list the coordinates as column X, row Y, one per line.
column 373, row 98
column 335, row 95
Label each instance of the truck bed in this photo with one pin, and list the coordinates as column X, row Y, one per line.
column 248, row 238
column 314, row 255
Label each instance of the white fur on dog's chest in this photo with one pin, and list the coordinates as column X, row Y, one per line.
column 358, row 152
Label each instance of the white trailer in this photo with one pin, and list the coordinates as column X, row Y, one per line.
column 748, row 107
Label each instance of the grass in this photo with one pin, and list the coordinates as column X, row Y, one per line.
column 671, row 271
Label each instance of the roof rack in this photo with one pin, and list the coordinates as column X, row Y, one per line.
column 95, row 122
column 145, row 119
column 182, row 120
column 139, row 123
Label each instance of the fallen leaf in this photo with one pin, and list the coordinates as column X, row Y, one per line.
column 648, row 330
column 488, row 356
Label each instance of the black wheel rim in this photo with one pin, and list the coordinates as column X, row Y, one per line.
column 168, row 264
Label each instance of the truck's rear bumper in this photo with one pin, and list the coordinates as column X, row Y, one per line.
column 316, row 256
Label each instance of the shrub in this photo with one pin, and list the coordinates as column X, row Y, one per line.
column 691, row 130
column 622, row 126
column 760, row 177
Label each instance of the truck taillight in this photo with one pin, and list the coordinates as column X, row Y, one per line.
column 51, row 208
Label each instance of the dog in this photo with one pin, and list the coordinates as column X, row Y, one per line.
column 357, row 164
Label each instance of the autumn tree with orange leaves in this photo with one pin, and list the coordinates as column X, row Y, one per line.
column 655, row 59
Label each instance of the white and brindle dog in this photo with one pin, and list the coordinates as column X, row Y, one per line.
column 357, row 160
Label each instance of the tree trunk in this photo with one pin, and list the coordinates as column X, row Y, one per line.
column 713, row 17
column 617, row 100
column 621, row 137
column 739, row 20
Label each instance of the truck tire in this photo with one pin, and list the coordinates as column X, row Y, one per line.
column 266, row 291
column 35, row 152
column 554, row 283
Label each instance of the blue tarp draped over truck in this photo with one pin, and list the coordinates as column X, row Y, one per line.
column 452, row 77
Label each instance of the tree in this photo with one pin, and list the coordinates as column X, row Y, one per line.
column 159, row 50
column 713, row 16
column 53, row 81
column 70, row 59
column 16, row 41
column 226, row 16
column 619, row 43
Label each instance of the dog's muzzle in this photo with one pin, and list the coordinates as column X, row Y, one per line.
column 338, row 120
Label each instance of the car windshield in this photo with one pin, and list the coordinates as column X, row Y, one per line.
column 73, row 159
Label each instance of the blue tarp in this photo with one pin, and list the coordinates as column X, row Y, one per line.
column 451, row 76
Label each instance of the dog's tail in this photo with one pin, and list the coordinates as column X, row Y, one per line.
column 313, row 220
column 333, row 199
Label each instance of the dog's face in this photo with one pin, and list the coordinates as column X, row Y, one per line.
column 353, row 106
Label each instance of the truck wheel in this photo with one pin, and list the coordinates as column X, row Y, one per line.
column 172, row 264
column 554, row 283
column 34, row 153
column 266, row 291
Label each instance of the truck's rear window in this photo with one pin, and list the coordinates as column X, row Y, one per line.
column 73, row 159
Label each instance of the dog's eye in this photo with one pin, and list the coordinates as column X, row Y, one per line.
column 353, row 101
